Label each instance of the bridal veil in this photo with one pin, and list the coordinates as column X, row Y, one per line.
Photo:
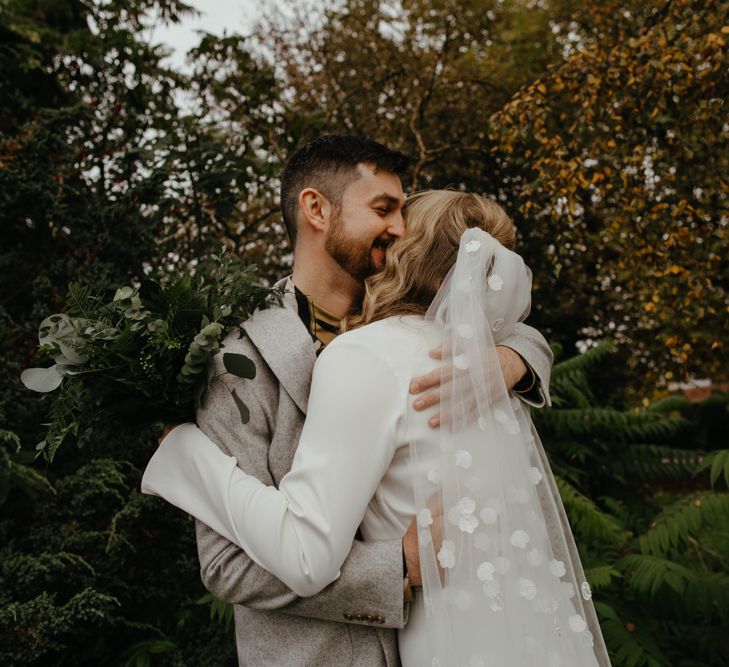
column 506, row 587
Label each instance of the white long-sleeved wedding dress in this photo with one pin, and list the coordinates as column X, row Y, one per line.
column 351, row 469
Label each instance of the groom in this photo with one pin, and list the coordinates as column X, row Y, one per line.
column 342, row 203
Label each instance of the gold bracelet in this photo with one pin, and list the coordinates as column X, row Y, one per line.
column 407, row 590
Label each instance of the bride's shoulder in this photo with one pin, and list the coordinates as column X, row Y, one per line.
column 405, row 326
column 392, row 336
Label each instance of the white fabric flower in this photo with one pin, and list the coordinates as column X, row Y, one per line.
column 447, row 554
column 425, row 518
column 534, row 475
column 586, row 591
column 519, row 538
column 485, row 571
column 527, row 588
column 557, row 568
column 464, row 459
column 500, row 416
column 496, row 282
column 482, row 423
column 461, row 362
column 577, row 623
column 468, row 523
column 466, row 331
column 491, row 589
column 434, row 476
column 466, row 505
column 498, row 323
column 473, row 246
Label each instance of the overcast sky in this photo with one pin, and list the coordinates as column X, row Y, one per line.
column 216, row 16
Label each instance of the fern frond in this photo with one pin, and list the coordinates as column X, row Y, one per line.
column 707, row 597
column 630, row 644
column 572, row 386
column 675, row 524
column 718, row 461
column 656, row 462
column 583, row 362
column 673, row 403
column 79, row 300
column 608, row 423
column 586, row 518
column 220, row 611
column 647, row 575
column 601, row 576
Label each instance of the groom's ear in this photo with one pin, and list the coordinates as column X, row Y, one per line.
column 314, row 209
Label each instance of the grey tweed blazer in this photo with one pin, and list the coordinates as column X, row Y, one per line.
column 353, row 621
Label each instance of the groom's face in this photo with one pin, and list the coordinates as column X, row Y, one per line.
column 369, row 220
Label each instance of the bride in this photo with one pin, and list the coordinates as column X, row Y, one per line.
column 502, row 580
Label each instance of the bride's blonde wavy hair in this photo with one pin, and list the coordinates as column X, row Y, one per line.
column 419, row 262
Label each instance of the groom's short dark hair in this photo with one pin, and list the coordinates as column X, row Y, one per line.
column 329, row 164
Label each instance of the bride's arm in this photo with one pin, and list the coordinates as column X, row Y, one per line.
column 302, row 531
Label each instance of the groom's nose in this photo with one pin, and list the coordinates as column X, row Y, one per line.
column 396, row 225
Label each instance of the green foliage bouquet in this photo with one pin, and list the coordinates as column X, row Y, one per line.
column 141, row 358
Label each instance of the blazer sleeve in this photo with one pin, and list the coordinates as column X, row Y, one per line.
column 302, row 531
column 533, row 348
column 371, row 576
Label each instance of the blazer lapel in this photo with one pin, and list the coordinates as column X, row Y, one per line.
column 286, row 346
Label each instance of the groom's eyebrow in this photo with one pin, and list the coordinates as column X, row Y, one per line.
column 390, row 199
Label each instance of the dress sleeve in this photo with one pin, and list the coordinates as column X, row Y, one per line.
column 302, row 531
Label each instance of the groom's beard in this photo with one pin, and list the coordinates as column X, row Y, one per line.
column 355, row 257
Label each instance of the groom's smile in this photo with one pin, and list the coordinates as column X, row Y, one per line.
column 369, row 221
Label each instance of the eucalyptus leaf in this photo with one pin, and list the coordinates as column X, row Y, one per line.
column 245, row 413
column 123, row 293
column 71, row 355
column 54, row 327
column 239, row 364
column 41, row 380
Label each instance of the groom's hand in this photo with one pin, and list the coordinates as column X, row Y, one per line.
column 513, row 369
column 410, row 550
column 411, row 554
